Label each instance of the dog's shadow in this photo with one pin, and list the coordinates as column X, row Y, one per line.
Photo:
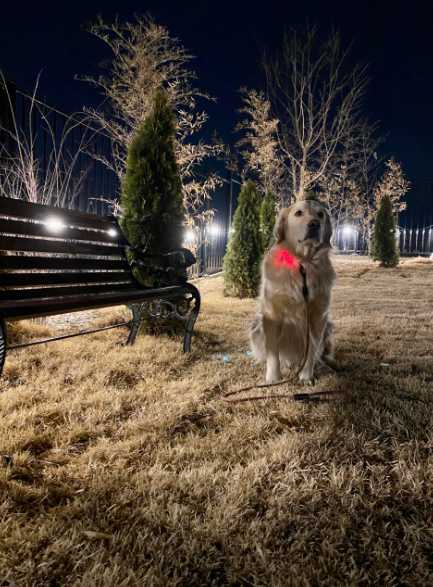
column 378, row 401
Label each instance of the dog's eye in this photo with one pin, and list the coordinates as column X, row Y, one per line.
column 320, row 215
column 298, row 213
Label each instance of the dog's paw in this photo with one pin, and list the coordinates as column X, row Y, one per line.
column 272, row 377
column 306, row 378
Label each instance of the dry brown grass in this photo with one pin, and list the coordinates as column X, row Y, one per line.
column 123, row 466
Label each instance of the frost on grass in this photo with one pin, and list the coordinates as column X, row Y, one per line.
column 122, row 466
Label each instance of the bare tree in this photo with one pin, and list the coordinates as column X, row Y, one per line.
column 259, row 144
column 393, row 184
column 341, row 194
column 347, row 186
column 58, row 182
column 317, row 98
column 368, row 162
column 230, row 157
column 144, row 58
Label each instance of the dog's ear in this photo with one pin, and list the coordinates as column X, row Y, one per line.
column 281, row 226
column 327, row 234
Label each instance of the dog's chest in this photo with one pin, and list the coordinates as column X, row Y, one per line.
column 283, row 295
column 282, row 299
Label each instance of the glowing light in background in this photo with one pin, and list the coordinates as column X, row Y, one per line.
column 348, row 230
column 189, row 237
column 112, row 232
column 54, row 224
column 213, row 230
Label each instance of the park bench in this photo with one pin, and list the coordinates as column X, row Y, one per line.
column 55, row 261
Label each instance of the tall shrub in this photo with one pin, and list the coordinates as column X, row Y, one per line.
column 151, row 201
column 384, row 243
column 267, row 219
column 244, row 252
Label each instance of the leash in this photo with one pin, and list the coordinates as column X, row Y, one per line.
column 295, row 396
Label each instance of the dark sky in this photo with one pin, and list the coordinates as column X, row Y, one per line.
column 394, row 38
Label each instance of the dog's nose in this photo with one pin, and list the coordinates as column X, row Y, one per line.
column 314, row 224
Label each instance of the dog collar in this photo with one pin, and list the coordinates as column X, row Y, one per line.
column 284, row 259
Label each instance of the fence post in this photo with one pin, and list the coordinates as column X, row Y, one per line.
column 201, row 250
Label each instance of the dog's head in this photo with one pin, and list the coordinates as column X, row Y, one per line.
column 305, row 224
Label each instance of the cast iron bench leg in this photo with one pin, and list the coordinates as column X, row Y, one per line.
column 189, row 326
column 2, row 344
column 136, row 310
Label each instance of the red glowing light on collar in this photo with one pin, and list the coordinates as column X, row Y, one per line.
column 282, row 258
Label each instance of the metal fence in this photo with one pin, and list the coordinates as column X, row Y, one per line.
column 349, row 239
column 211, row 250
column 93, row 185
column 416, row 241
column 412, row 240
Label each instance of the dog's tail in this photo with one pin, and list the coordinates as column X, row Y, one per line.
column 257, row 339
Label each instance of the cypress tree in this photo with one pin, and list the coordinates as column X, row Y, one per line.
column 384, row 244
column 244, row 251
column 151, row 201
column 267, row 220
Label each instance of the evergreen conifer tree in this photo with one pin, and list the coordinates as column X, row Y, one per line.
column 384, row 243
column 267, row 220
column 151, row 201
column 244, row 252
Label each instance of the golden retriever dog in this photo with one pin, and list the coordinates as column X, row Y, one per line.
column 278, row 335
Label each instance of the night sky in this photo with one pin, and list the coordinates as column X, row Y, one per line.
column 228, row 38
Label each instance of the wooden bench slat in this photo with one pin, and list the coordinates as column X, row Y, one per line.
column 19, row 262
column 58, row 292
column 32, row 279
column 20, row 227
column 23, row 209
column 47, row 307
column 9, row 243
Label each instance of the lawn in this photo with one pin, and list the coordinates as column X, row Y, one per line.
column 124, row 466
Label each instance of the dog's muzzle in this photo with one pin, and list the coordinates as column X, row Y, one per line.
column 313, row 230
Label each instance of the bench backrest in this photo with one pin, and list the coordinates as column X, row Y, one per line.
column 46, row 252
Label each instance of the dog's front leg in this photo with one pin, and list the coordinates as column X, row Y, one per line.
column 315, row 345
column 272, row 332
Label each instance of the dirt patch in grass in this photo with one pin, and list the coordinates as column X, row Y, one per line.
column 124, row 466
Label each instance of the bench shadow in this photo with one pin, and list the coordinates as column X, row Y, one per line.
column 209, row 342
